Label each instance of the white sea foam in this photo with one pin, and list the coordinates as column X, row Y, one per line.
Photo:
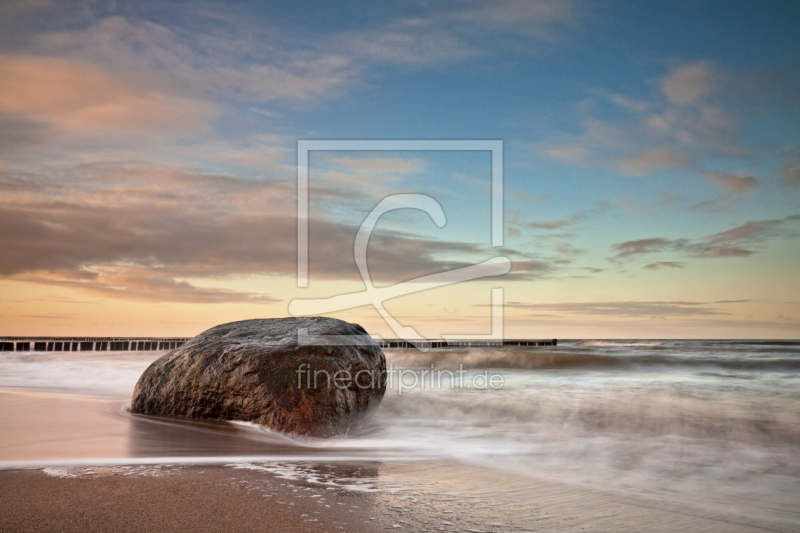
column 701, row 419
column 157, row 470
column 621, row 344
column 92, row 373
column 61, row 472
column 352, row 479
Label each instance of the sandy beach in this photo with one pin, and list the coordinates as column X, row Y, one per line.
column 172, row 499
column 274, row 498
column 549, row 452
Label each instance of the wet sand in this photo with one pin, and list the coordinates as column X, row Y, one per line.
column 253, row 498
column 85, row 427
column 40, row 427
column 181, row 499
column 326, row 493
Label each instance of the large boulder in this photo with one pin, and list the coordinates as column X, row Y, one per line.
column 288, row 374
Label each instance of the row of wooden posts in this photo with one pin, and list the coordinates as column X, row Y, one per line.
column 83, row 344
column 465, row 343
column 78, row 344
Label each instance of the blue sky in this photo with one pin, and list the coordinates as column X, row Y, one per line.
column 651, row 151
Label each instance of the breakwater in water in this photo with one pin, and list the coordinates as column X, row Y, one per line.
column 95, row 344
column 90, row 344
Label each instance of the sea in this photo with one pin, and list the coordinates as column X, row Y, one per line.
column 708, row 423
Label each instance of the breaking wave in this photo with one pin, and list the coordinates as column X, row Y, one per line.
column 575, row 358
column 620, row 343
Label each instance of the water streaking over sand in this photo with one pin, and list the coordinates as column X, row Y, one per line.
column 706, row 422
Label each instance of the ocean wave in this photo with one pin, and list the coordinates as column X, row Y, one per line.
column 565, row 358
column 523, row 416
column 620, row 344
column 57, row 371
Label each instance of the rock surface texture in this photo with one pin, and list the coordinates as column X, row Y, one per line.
column 259, row 371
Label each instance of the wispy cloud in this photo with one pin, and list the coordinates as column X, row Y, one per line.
column 716, row 204
column 651, row 161
column 663, row 264
column 217, row 53
column 551, row 224
column 691, row 119
column 364, row 178
column 741, row 241
column 570, row 221
column 791, row 174
column 145, row 231
column 143, row 284
column 571, row 153
column 691, row 83
column 624, row 308
column 248, row 65
column 641, row 246
column 733, row 183
column 451, row 32
column 73, row 97
column 400, row 165
column 11, row 9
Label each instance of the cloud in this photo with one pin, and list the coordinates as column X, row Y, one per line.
column 574, row 219
column 715, row 204
column 571, row 153
column 482, row 184
column 145, row 231
column 651, row 161
column 791, row 174
column 741, row 241
column 17, row 133
column 360, row 178
column 625, row 102
column 624, row 308
column 733, row 183
column 692, row 118
column 448, row 33
column 74, row 97
column 528, row 269
column 243, row 62
column 748, row 232
column 551, row 224
column 568, row 249
column 395, row 165
column 524, row 16
column 220, row 53
column 690, row 84
column 11, row 9
column 406, row 42
column 641, row 246
column 662, row 264
column 142, row 284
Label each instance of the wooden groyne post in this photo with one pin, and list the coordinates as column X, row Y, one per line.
column 117, row 344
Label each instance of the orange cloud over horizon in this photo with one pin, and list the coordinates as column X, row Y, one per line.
column 73, row 96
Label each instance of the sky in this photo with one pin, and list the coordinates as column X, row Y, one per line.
column 651, row 164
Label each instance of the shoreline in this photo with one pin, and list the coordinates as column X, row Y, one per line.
column 212, row 498
column 555, row 450
column 351, row 496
